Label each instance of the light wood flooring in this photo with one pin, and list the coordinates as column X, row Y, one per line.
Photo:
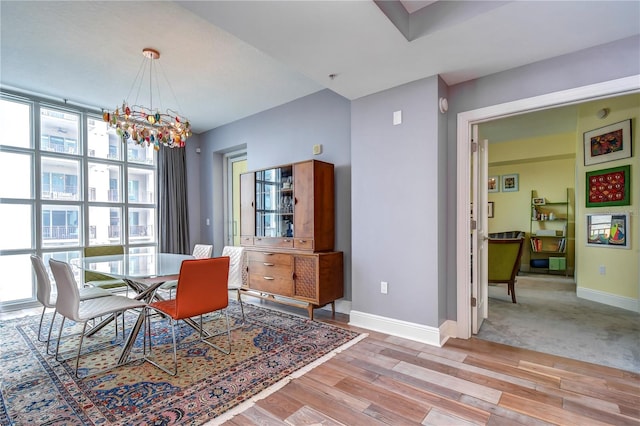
column 390, row 380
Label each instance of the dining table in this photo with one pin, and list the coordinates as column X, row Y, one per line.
column 144, row 273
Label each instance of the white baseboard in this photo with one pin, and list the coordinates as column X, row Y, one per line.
column 408, row 330
column 608, row 299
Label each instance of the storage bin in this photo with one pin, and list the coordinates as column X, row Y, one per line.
column 539, row 263
column 557, row 263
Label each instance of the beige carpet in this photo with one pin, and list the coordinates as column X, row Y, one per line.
column 550, row 318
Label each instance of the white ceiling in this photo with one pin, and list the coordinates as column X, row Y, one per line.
column 226, row 60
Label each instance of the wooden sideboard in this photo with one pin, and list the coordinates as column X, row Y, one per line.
column 287, row 229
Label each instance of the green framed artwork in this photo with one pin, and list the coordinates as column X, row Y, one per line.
column 609, row 187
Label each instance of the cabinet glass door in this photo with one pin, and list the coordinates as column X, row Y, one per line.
column 274, row 202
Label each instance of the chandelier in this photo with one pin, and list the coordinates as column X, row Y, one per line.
column 146, row 125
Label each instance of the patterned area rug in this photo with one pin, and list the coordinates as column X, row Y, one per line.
column 36, row 389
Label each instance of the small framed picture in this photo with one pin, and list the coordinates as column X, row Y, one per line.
column 538, row 201
column 494, row 184
column 490, row 209
column 608, row 230
column 510, row 183
column 609, row 187
column 609, row 143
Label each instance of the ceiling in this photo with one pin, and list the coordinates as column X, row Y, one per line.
column 225, row 60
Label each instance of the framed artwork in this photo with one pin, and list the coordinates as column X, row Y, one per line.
column 490, row 210
column 494, row 184
column 612, row 142
column 608, row 187
column 538, row 201
column 608, row 230
column 510, row 183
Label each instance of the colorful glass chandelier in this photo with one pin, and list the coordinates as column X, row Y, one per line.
column 145, row 125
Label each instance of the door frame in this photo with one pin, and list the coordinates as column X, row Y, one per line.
column 229, row 159
column 465, row 120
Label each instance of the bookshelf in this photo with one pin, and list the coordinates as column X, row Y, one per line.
column 548, row 233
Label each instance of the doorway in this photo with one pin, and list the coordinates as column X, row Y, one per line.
column 465, row 123
column 236, row 164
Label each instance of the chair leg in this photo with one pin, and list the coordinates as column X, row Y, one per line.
column 175, row 350
column 44, row 308
column 84, row 328
column 53, row 318
column 59, row 336
column 213, row 345
column 512, row 286
column 241, row 306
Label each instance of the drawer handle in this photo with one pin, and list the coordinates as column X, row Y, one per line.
column 302, row 241
column 269, row 278
column 268, row 254
column 267, row 264
column 259, row 239
column 286, row 241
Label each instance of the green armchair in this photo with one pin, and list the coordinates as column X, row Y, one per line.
column 504, row 262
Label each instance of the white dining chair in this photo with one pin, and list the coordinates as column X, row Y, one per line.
column 70, row 306
column 46, row 297
column 235, row 254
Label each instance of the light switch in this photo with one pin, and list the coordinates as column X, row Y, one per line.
column 397, row 117
column 317, row 149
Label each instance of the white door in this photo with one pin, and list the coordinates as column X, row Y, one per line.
column 479, row 235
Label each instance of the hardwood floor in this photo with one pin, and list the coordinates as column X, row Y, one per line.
column 390, row 380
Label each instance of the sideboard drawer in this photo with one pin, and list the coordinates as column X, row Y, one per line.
column 275, row 242
column 271, row 284
column 303, row 244
column 267, row 257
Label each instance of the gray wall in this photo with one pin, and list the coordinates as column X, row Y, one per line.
column 397, row 178
column 396, row 182
column 284, row 135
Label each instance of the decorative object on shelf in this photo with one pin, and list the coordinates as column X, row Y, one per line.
column 510, row 183
column 147, row 125
column 608, row 230
column 608, row 187
column 490, row 210
column 609, row 143
column 494, row 184
column 538, row 201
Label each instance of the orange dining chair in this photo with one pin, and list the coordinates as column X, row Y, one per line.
column 201, row 289
column 200, row 251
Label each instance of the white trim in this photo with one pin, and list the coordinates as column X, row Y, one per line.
column 408, row 330
column 465, row 120
column 622, row 302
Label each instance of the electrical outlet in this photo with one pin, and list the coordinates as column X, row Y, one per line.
column 383, row 287
column 603, row 270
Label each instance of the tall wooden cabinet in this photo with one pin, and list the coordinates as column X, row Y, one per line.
column 287, row 226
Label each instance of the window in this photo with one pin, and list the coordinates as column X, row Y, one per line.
column 77, row 198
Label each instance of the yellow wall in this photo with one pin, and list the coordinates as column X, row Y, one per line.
column 553, row 163
column 546, row 165
column 622, row 276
